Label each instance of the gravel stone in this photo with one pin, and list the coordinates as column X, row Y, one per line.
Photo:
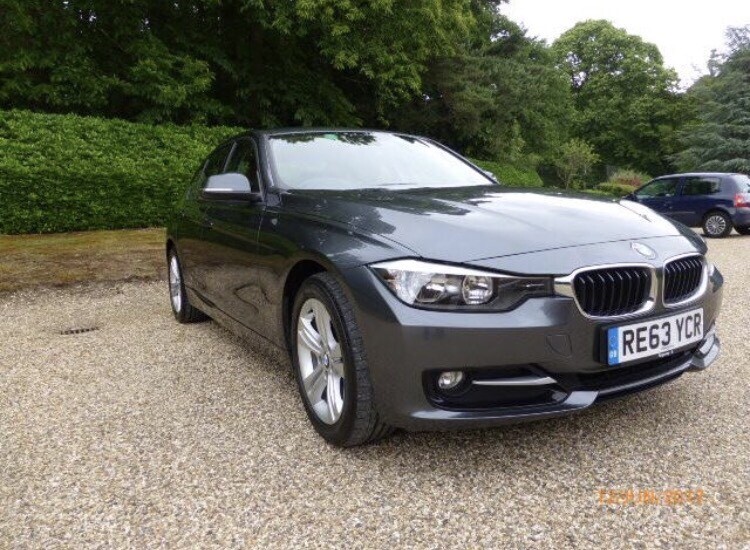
column 146, row 433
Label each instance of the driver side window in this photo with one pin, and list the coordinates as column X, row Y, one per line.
column 243, row 161
column 658, row 189
column 214, row 165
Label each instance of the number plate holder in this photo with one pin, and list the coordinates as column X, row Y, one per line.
column 681, row 336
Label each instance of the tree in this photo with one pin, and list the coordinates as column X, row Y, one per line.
column 502, row 98
column 720, row 139
column 297, row 62
column 626, row 101
column 575, row 160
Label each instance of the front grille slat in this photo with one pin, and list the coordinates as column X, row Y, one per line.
column 682, row 278
column 612, row 285
column 620, row 280
column 589, row 292
column 609, row 292
column 604, row 291
column 682, row 274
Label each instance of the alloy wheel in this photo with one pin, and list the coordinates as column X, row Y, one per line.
column 716, row 225
column 175, row 283
column 321, row 361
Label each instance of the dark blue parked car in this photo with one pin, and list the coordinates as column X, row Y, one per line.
column 715, row 201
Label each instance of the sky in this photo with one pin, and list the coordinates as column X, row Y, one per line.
column 685, row 31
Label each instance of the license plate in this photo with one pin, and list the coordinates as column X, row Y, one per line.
column 655, row 337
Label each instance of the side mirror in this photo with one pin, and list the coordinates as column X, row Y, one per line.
column 230, row 187
column 631, row 197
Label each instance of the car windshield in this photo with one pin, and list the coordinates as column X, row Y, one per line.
column 361, row 160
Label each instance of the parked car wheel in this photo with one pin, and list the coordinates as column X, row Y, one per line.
column 717, row 225
column 331, row 367
column 183, row 311
column 745, row 230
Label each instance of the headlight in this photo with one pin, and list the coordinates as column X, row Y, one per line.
column 440, row 286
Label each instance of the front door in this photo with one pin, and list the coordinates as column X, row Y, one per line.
column 232, row 236
column 658, row 195
column 194, row 247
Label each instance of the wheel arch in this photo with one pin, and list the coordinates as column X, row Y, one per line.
column 169, row 246
column 714, row 209
column 302, row 270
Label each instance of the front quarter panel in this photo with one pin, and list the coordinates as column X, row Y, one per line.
column 288, row 238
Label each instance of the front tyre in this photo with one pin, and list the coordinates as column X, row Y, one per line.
column 331, row 367
column 717, row 225
column 183, row 311
column 744, row 230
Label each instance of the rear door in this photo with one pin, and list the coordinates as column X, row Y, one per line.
column 232, row 238
column 659, row 194
column 698, row 195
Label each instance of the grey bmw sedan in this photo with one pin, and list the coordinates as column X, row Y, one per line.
column 412, row 290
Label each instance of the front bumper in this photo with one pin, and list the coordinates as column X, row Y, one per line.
column 543, row 338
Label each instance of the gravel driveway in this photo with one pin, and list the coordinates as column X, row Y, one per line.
column 147, row 433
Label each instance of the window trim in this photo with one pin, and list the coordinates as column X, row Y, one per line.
column 258, row 174
column 232, row 143
column 686, row 179
column 677, row 188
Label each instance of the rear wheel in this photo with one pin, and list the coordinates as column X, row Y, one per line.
column 717, row 225
column 183, row 311
column 331, row 367
column 745, row 230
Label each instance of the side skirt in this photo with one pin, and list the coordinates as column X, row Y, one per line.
column 256, row 341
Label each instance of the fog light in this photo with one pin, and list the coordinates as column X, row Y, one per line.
column 449, row 380
column 708, row 342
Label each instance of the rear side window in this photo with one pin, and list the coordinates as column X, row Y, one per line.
column 743, row 182
column 658, row 188
column 243, row 161
column 701, row 186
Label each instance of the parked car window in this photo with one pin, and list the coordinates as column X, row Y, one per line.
column 243, row 161
column 701, row 186
column 217, row 160
column 743, row 182
column 658, row 188
column 360, row 160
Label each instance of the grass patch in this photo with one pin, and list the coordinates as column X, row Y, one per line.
column 93, row 256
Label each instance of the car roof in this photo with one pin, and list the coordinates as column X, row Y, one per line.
column 316, row 130
column 322, row 130
column 700, row 175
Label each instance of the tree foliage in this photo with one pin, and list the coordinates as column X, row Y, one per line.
column 627, row 104
column 501, row 99
column 720, row 139
column 246, row 61
column 455, row 70
column 574, row 162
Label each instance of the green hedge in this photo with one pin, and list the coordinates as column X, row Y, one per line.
column 615, row 189
column 65, row 172
column 511, row 175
